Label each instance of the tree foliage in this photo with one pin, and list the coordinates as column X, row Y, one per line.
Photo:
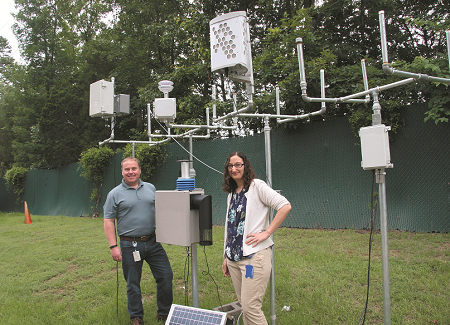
column 150, row 157
column 94, row 162
column 67, row 45
column 15, row 180
column 51, row 125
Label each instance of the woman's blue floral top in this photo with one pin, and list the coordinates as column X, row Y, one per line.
column 235, row 226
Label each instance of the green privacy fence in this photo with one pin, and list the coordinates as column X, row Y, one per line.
column 317, row 167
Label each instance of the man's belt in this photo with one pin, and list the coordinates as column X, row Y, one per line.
column 141, row 238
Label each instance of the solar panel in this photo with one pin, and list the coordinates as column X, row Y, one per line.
column 183, row 315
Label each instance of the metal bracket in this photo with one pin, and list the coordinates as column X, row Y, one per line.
column 380, row 176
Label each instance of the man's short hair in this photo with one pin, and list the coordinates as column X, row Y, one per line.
column 130, row 158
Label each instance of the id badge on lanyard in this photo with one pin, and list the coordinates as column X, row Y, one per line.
column 136, row 255
column 249, row 269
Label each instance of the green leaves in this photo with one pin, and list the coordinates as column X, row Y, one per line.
column 44, row 120
column 94, row 162
column 150, row 157
column 15, row 179
column 435, row 93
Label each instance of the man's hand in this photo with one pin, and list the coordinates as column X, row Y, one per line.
column 110, row 232
column 116, row 254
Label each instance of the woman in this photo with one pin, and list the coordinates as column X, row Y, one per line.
column 247, row 244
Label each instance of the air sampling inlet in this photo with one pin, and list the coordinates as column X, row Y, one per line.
column 185, row 183
column 204, row 205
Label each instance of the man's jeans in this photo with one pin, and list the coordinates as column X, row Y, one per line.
column 155, row 255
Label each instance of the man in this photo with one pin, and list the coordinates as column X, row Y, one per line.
column 132, row 204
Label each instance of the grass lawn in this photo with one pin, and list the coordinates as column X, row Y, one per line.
column 58, row 270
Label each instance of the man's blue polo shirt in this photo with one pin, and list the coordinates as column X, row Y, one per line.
column 133, row 208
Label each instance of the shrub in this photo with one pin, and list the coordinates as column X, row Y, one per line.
column 15, row 180
column 94, row 162
column 150, row 157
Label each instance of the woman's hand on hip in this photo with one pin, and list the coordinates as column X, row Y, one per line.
column 255, row 239
column 225, row 270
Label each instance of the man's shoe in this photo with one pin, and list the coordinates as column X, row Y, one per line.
column 161, row 318
column 137, row 321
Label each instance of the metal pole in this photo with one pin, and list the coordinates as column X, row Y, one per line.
column 235, row 119
column 447, row 33
column 214, row 102
column 301, row 65
column 273, row 315
column 381, row 180
column 365, row 80
column 132, row 150
column 194, row 263
column 384, row 51
column 191, row 155
column 277, row 101
column 322, row 87
column 149, row 122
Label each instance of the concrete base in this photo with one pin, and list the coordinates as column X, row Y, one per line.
column 233, row 310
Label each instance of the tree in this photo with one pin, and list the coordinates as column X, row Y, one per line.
column 154, row 41
column 68, row 45
column 53, row 126
column 65, row 128
column 351, row 29
column 336, row 36
column 94, row 162
column 15, row 180
column 7, row 99
column 150, row 157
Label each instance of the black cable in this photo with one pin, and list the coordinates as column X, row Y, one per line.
column 372, row 221
column 117, row 291
column 194, row 157
column 117, row 278
column 208, row 273
column 186, row 277
column 115, row 231
column 114, row 158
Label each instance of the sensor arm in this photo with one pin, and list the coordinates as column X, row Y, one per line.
column 391, row 71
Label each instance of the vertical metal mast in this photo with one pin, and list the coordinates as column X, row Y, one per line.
column 268, row 149
column 381, row 180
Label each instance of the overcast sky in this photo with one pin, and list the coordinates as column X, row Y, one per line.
column 6, row 21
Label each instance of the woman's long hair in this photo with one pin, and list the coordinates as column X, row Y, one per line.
column 229, row 184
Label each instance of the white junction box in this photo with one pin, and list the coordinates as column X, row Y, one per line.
column 176, row 223
column 101, row 98
column 230, row 42
column 375, row 147
column 165, row 109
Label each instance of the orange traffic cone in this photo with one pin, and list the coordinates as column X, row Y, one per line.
column 27, row 214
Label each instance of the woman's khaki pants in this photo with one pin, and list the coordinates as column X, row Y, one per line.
column 250, row 291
